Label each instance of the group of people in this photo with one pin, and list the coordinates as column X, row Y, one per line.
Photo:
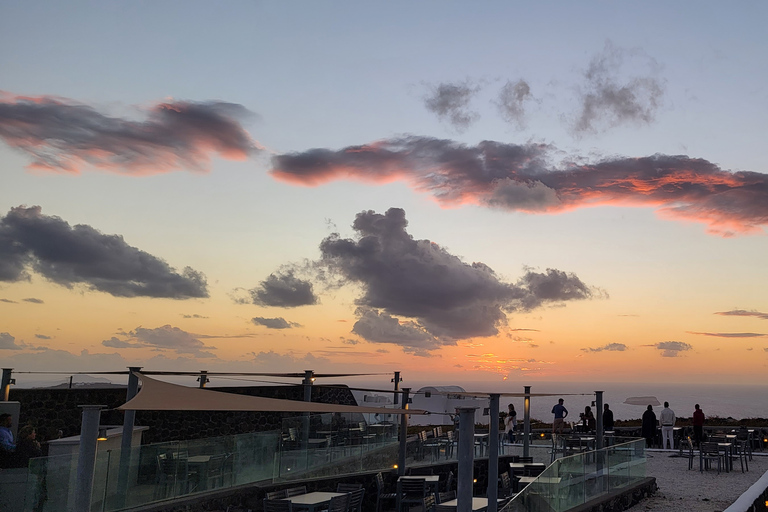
column 587, row 418
column 667, row 420
column 16, row 453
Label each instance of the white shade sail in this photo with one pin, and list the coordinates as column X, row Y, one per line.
column 156, row 395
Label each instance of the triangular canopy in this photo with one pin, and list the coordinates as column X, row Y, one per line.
column 156, row 395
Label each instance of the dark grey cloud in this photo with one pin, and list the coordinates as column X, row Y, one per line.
column 8, row 342
column 285, row 290
column 742, row 312
column 538, row 288
column 729, row 334
column 42, row 337
column 33, row 300
column 196, row 316
column 672, row 348
column 9, row 301
column 76, row 255
column 162, row 338
column 512, row 102
column 611, row 347
column 62, row 135
column 610, row 98
column 450, row 102
column 274, row 323
column 443, row 298
column 524, row 178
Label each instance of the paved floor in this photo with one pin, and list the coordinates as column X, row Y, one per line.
column 695, row 491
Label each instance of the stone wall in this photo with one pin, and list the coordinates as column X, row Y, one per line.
column 54, row 409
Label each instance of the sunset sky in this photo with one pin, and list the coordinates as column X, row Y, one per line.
column 459, row 191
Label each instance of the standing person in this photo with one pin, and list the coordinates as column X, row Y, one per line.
column 7, row 446
column 560, row 413
column 511, row 423
column 698, row 425
column 667, row 418
column 649, row 426
column 607, row 418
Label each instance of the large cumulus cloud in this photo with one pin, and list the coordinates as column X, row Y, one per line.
column 523, row 177
column 443, row 298
column 71, row 255
column 59, row 134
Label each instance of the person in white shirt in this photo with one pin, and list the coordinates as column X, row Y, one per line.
column 667, row 419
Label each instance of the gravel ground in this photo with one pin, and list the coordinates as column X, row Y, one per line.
column 695, row 491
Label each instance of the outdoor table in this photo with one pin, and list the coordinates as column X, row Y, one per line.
column 379, row 429
column 482, row 439
column 519, row 467
column 727, row 448
column 539, row 479
column 432, row 481
column 478, row 504
column 312, row 500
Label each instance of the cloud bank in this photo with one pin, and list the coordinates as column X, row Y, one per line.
column 162, row 338
column 61, row 135
column 75, row 255
column 8, row 342
column 522, row 178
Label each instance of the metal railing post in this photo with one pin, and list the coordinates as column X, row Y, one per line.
column 493, row 454
column 403, row 435
column 126, row 442
column 86, row 460
column 527, row 422
column 466, row 458
column 5, row 383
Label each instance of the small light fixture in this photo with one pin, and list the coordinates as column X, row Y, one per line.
column 102, row 434
column 474, row 481
column 394, row 467
column 542, row 435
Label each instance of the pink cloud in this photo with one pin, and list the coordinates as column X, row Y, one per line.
column 61, row 135
column 523, row 178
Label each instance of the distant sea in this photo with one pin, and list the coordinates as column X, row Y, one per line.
column 723, row 400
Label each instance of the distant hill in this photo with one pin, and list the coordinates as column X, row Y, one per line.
column 78, row 381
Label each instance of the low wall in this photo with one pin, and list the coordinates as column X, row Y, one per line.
column 755, row 499
column 53, row 409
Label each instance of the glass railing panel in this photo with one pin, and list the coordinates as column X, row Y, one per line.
column 51, row 484
column 574, row 480
column 333, row 444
